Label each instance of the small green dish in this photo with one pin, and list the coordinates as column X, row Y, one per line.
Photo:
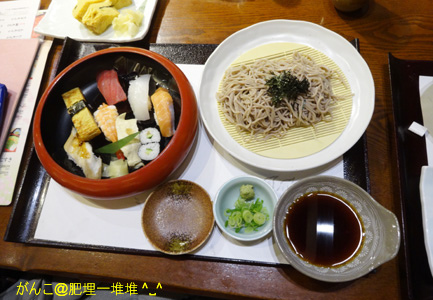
column 226, row 198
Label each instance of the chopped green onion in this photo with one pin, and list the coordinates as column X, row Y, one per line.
column 259, row 218
column 247, row 215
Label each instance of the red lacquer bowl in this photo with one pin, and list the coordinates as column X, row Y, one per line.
column 52, row 124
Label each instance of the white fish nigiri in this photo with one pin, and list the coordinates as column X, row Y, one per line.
column 138, row 97
column 81, row 153
column 125, row 128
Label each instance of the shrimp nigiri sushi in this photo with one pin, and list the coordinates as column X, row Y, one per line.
column 164, row 111
column 106, row 116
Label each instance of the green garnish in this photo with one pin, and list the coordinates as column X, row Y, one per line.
column 247, row 191
column 179, row 188
column 286, row 86
column 114, row 147
column 179, row 243
column 248, row 215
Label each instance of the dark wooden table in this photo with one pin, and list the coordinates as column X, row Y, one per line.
column 404, row 28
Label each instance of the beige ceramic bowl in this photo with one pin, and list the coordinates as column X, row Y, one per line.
column 381, row 239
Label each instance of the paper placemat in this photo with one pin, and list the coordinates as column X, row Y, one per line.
column 70, row 218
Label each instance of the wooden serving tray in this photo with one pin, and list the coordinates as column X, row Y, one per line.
column 31, row 190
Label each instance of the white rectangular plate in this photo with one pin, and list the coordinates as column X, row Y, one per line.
column 59, row 23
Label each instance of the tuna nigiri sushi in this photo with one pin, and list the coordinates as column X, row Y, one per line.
column 106, row 116
column 109, row 86
column 164, row 111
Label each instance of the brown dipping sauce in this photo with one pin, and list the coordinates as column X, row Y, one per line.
column 323, row 229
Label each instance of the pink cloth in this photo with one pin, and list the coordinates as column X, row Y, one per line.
column 16, row 61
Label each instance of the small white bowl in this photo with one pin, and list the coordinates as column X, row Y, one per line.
column 227, row 196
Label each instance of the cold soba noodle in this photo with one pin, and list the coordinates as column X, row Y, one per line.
column 246, row 102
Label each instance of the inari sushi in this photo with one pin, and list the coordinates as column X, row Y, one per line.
column 164, row 111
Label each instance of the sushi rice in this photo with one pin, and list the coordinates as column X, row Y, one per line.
column 149, row 151
column 150, row 135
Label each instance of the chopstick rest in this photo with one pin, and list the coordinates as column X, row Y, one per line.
column 417, row 128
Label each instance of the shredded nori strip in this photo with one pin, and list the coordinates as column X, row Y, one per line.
column 76, row 107
column 286, row 86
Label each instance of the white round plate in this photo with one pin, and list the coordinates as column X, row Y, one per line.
column 343, row 53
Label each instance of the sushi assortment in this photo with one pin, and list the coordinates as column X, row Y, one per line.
column 134, row 121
